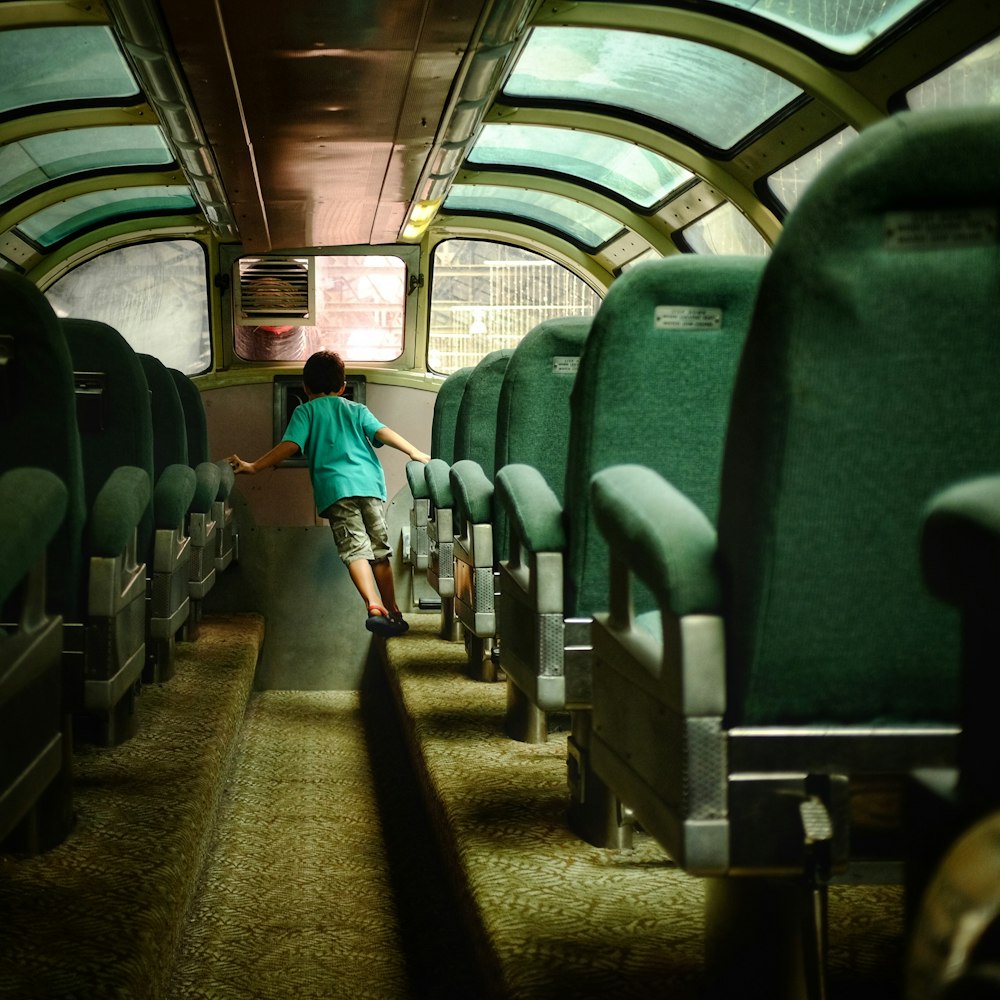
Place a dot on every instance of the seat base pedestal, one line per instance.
(482, 666)
(596, 814)
(524, 720)
(451, 627)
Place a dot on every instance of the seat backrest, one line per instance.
(476, 422)
(38, 424)
(533, 412)
(170, 440)
(870, 381)
(115, 418)
(195, 420)
(653, 389)
(446, 404)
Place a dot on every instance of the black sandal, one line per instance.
(379, 621)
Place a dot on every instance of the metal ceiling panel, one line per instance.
(332, 107)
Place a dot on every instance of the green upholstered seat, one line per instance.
(189, 569)
(38, 423)
(96, 580)
(120, 427)
(649, 390)
(476, 421)
(475, 437)
(868, 383)
(36, 802)
(532, 427)
(446, 403)
(653, 387)
(196, 421)
(445, 419)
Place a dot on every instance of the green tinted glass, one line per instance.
(712, 94)
(41, 65)
(972, 80)
(845, 26)
(126, 289)
(585, 226)
(623, 169)
(486, 296)
(61, 221)
(788, 183)
(35, 161)
(725, 230)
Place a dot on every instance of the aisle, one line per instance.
(295, 899)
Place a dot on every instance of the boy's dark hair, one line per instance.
(323, 372)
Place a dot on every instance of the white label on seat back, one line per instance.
(687, 318)
(935, 229)
(565, 365)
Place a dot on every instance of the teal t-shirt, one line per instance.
(337, 437)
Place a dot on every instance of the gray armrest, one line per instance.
(960, 546)
(659, 700)
(32, 507)
(472, 493)
(417, 480)
(172, 496)
(437, 473)
(227, 479)
(535, 512)
(117, 511)
(662, 537)
(208, 476)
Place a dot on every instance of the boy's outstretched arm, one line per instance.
(388, 436)
(281, 451)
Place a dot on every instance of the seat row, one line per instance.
(120, 525)
(719, 578)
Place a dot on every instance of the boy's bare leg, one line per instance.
(382, 571)
(364, 580)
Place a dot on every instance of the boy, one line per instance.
(339, 439)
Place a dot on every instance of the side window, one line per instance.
(359, 307)
(154, 294)
(486, 296)
(725, 230)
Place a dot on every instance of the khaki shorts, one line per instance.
(358, 526)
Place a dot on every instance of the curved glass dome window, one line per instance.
(154, 294)
(43, 65)
(585, 226)
(39, 159)
(714, 95)
(622, 169)
(65, 219)
(847, 26)
(485, 296)
(725, 230)
(788, 183)
(975, 79)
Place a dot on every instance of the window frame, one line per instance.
(229, 255)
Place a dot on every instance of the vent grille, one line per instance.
(276, 291)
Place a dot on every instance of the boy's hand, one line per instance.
(419, 456)
(238, 465)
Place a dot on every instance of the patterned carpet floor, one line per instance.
(389, 843)
(295, 900)
(100, 915)
(553, 915)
